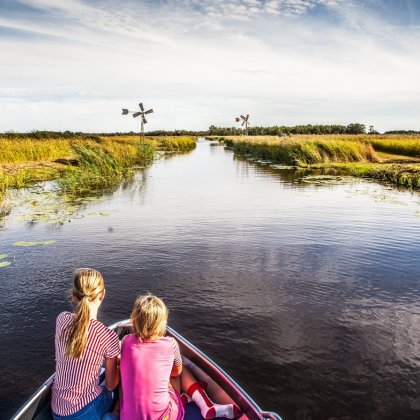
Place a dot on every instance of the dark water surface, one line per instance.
(307, 294)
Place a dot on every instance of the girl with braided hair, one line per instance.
(82, 345)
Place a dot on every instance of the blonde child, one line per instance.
(152, 374)
(82, 345)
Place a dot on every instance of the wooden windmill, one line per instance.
(140, 113)
(244, 123)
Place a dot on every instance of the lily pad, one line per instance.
(285, 167)
(105, 214)
(34, 243)
(327, 179)
(4, 264)
(2, 256)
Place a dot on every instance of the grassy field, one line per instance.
(393, 159)
(80, 163)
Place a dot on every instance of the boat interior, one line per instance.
(221, 388)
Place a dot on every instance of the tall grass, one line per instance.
(355, 155)
(101, 165)
(178, 144)
(303, 151)
(399, 146)
(32, 149)
(403, 175)
(27, 150)
(101, 162)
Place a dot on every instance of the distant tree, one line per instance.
(356, 128)
(402, 132)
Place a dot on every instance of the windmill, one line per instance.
(245, 122)
(140, 113)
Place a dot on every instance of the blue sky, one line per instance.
(73, 64)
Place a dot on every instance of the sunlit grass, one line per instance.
(27, 150)
(93, 163)
(304, 150)
(406, 146)
(403, 175)
(356, 155)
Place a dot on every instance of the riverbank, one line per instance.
(79, 163)
(390, 159)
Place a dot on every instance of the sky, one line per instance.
(74, 64)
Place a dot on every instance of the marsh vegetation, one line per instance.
(393, 159)
(81, 164)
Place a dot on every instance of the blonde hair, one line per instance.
(149, 317)
(87, 285)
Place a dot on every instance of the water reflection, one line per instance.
(307, 294)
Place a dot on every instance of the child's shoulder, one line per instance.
(128, 339)
(100, 328)
(163, 341)
(64, 316)
(169, 340)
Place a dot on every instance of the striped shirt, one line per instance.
(76, 381)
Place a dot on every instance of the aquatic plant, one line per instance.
(407, 176)
(4, 264)
(355, 155)
(33, 243)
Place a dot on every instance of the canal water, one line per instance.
(305, 290)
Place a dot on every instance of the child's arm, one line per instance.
(112, 376)
(177, 366)
(176, 370)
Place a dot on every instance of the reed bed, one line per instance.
(28, 150)
(304, 150)
(356, 155)
(165, 143)
(407, 146)
(402, 175)
(175, 144)
(102, 165)
(85, 163)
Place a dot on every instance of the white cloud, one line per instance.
(201, 62)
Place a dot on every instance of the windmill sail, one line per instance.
(136, 114)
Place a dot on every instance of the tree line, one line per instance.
(282, 130)
(354, 128)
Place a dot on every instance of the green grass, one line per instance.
(27, 150)
(355, 155)
(175, 144)
(103, 165)
(100, 162)
(304, 151)
(407, 146)
(402, 175)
